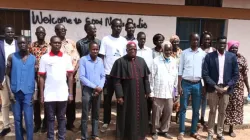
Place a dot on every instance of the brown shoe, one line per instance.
(180, 137)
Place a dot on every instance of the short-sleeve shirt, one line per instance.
(55, 67)
(83, 46)
(69, 47)
(38, 50)
(112, 48)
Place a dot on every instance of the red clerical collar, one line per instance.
(60, 54)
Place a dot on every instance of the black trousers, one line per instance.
(71, 110)
(37, 112)
(108, 99)
(57, 109)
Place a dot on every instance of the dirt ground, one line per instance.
(242, 134)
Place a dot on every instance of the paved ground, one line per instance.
(243, 132)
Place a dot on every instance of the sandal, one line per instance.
(195, 136)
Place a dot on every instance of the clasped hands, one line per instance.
(97, 91)
(221, 90)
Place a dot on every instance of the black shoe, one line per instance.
(43, 129)
(220, 138)
(4, 132)
(73, 129)
(36, 129)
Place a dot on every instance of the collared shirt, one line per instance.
(177, 55)
(91, 73)
(83, 46)
(9, 49)
(38, 50)
(112, 48)
(221, 58)
(190, 67)
(164, 77)
(130, 39)
(55, 67)
(146, 54)
(69, 47)
(156, 53)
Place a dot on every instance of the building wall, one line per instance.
(170, 2)
(238, 30)
(236, 4)
(129, 8)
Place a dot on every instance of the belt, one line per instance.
(191, 82)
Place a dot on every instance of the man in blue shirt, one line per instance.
(92, 76)
(189, 83)
(21, 86)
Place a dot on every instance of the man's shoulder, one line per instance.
(70, 41)
(45, 56)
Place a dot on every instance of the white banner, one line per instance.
(75, 21)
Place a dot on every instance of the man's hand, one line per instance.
(12, 97)
(1, 86)
(32, 101)
(219, 90)
(98, 89)
(70, 98)
(180, 90)
(204, 92)
(42, 100)
(120, 101)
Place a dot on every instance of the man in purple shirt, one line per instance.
(92, 77)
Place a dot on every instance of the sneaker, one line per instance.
(168, 136)
(104, 127)
(155, 136)
(180, 137)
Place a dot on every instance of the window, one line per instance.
(186, 26)
(212, 3)
(19, 19)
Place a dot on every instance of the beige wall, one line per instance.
(236, 4)
(239, 30)
(170, 2)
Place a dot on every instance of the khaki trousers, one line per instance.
(214, 102)
(5, 105)
(161, 110)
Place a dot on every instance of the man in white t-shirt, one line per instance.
(147, 54)
(54, 70)
(112, 47)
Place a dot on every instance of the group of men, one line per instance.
(146, 82)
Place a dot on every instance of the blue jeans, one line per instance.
(195, 91)
(203, 104)
(23, 104)
(58, 109)
(94, 101)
